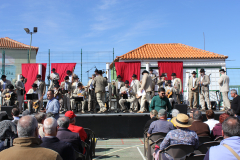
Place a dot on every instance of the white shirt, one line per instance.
(38, 83)
(173, 81)
(70, 78)
(193, 81)
(106, 88)
(119, 83)
(66, 86)
(132, 83)
(211, 123)
(91, 85)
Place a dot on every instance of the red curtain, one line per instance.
(127, 69)
(61, 69)
(30, 71)
(171, 67)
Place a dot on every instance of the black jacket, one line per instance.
(63, 148)
(66, 135)
(235, 105)
(147, 125)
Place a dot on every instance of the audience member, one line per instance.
(153, 116)
(15, 114)
(74, 128)
(235, 105)
(229, 148)
(53, 105)
(181, 135)
(50, 114)
(8, 131)
(217, 130)
(161, 125)
(50, 128)
(191, 114)
(26, 112)
(211, 122)
(64, 134)
(175, 112)
(230, 112)
(40, 118)
(160, 101)
(27, 146)
(198, 126)
(4, 116)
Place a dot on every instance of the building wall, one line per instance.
(13, 61)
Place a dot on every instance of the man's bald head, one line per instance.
(27, 127)
(50, 126)
(231, 127)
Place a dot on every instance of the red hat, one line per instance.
(70, 114)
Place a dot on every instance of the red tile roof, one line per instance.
(7, 43)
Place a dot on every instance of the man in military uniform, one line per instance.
(169, 92)
(162, 82)
(91, 95)
(130, 94)
(59, 95)
(67, 90)
(79, 92)
(75, 83)
(9, 96)
(135, 84)
(42, 88)
(204, 82)
(224, 88)
(108, 94)
(118, 84)
(193, 90)
(53, 76)
(34, 90)
(19, 85)
(177, 87)
(100, 83)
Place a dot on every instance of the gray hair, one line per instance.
(40, 117)
(94, 75)
(197, 115)
(27, 126)
(63, 122)
(234, 91)
(50, 125)
(231, 127)
(230, 112)
(175, 112)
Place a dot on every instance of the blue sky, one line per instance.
(100, 25)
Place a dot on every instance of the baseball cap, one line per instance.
(162, 112)
(70, 114)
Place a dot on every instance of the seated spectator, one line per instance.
(181, 135)
(217, 130)
(175, 112)
(74, 128)
(230, 112)
(26, 112)
(64, 134)
(40, 117)
(27, 146)
(50, 114)
(153, 116)
(229, 147)
(191, 114)
(198, 126)
(211, 122)
(8, 131)
(235, 104)
(50, 140)
(161, 125)
(15, 114)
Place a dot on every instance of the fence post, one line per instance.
(3, 63)
(81, 64)
(113, 64)
(49, 65)
(28, 56)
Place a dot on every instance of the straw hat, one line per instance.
(181, 120)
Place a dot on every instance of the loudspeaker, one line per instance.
(8, 109)
(181, 107)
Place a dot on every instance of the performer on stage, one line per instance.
(9, 96)
(42, 88)
(154, 81)
(147, 88)
(193, 90)
(108, 94)
(19, 85)
(118, 84)
(162, 82)
(70, 75)
(135, 84)
(4, 82)
(131, 96)
(96, 72)
(224, 88)
(79, 92)
(169, 92)
(53, 76)
(34, 90)
(204, 82)
(75, 83)
(58, 94)
(67, 90)
(91, 95)
(177, 87)
(100, 83)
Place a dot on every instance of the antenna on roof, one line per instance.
(204, 40)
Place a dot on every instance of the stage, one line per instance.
(118, 125)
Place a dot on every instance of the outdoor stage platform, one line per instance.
(118, 125)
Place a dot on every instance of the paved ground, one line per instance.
(126, 149)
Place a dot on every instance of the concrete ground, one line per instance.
(126, 149)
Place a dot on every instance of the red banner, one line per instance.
(127, 69)
(61, 69)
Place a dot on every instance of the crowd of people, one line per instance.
(184, 129)
(40, 136)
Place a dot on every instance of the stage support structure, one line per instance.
(147, 67)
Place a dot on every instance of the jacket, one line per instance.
(28, 148)
(202, 129)
(31, 91)
(7, 82)
(76, 91)
(190, 84)
(100, 83)
(69, 86)
(146, 83)
(178, 85)
(135, 84)
(206, 83)
(116, 87)
(161, 84)
(54, 76)
(41, 86)
(147, 125)
(66, 135)
(79, 130)
(18, 86)
(224, 83)
(64, 149)
(131, 93)
(217, 130)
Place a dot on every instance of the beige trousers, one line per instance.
(100, 99)
(91, 101)
(193, 99)
(131, 100)
(20, 99)
(145, 98)
(204, 97)
(226, 101)
(66, 101)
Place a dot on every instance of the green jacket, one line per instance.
(157, 103)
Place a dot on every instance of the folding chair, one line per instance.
(219, 139)
(203, 139)
(193, 156)
(87, 148)
(144, 139)
(79, 156)
(203, 148)
(92, 139)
